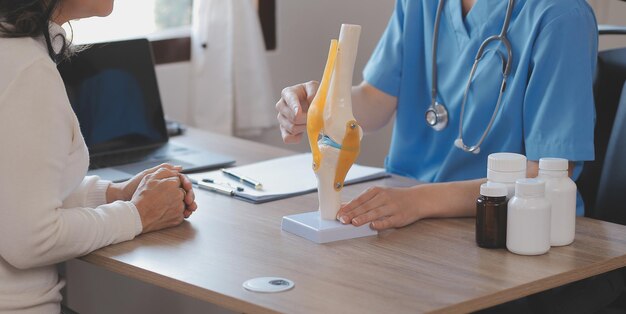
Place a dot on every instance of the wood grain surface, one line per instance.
(430, 266)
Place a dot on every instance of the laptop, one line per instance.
(113, 90)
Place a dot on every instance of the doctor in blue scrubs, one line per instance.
(546, 106)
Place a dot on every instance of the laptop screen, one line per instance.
(113, 90)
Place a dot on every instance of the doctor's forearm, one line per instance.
(458, 198)
(371, 107)
(448, 199)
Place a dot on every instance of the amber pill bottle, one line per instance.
(491, 212)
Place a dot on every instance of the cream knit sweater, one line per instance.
(49, 211)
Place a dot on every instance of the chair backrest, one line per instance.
(609, 80)
(609, 205)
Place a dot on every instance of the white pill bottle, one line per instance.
(528, 219)
(506, 168)
(561, 193)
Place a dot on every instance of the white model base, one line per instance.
(311, 227)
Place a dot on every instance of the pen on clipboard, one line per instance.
(214, 187)
(243, 179)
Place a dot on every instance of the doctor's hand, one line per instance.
(386, 207)
(292, 108)
(123, 191)
(382, 207)
(161, 199)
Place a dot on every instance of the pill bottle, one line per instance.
(528, 219)
(506, 168)
(491, 215)
(561, 193)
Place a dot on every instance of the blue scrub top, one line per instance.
(548, 106)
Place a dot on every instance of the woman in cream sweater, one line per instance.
(49, 211)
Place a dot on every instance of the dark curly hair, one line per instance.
(30, 18)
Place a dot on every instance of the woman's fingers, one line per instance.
(159, 200)
(190, 196)
(186, 184)
(192, 207)
(163, 165)
(173, 181)
(163, 173)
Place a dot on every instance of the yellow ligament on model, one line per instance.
(315, 119)
(350, 148)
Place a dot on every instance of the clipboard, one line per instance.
(283, 177)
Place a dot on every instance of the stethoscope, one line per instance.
(437, 114)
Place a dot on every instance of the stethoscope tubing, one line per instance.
(479, 55)
(433, 90)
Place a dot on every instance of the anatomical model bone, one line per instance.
(334, 134)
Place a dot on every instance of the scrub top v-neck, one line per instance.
(547, 109)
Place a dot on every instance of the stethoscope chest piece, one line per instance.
(437, 116)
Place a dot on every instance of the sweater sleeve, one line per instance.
(90, 193)
(36, 133)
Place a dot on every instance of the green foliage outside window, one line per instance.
(172, 13)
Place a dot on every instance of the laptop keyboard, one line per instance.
(163, 153)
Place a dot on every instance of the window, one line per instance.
(135, 18)
(166, 23)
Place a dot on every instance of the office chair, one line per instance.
(608, 205)
(602, 181)
(609, 80)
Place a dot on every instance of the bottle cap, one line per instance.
(508, 162)
(553, 164)
(530, 187)
(493, 189)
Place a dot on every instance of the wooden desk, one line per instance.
(430, 266)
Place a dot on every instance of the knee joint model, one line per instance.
(334, 135)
